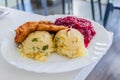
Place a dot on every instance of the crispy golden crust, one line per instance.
(24, 30)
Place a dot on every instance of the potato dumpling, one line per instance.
(38, 45)
(69, 43)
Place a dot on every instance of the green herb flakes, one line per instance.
(45, 47)
(35, 40)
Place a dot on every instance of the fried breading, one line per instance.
(49, 27)
(24, 30)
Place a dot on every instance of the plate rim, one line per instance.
(5, 12)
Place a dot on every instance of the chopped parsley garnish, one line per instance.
(38, 48)
(33, 48)
(35, 40)
(45, 47)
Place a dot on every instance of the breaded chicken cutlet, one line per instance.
(24, 30)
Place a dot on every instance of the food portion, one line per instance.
(67, 36)
(69, 43)
(24, 30)
(38, 45)
(35, 39)
(82, 25)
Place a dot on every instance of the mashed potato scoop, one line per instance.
(69, 43)
(38, 45)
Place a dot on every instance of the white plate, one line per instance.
(54, 63)
(3, 12)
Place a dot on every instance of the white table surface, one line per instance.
(9, 72)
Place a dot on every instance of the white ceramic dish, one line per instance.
(54, 63)
(3, 12)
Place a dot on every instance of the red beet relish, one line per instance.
(82, 25)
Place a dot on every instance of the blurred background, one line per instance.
(77, 7)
